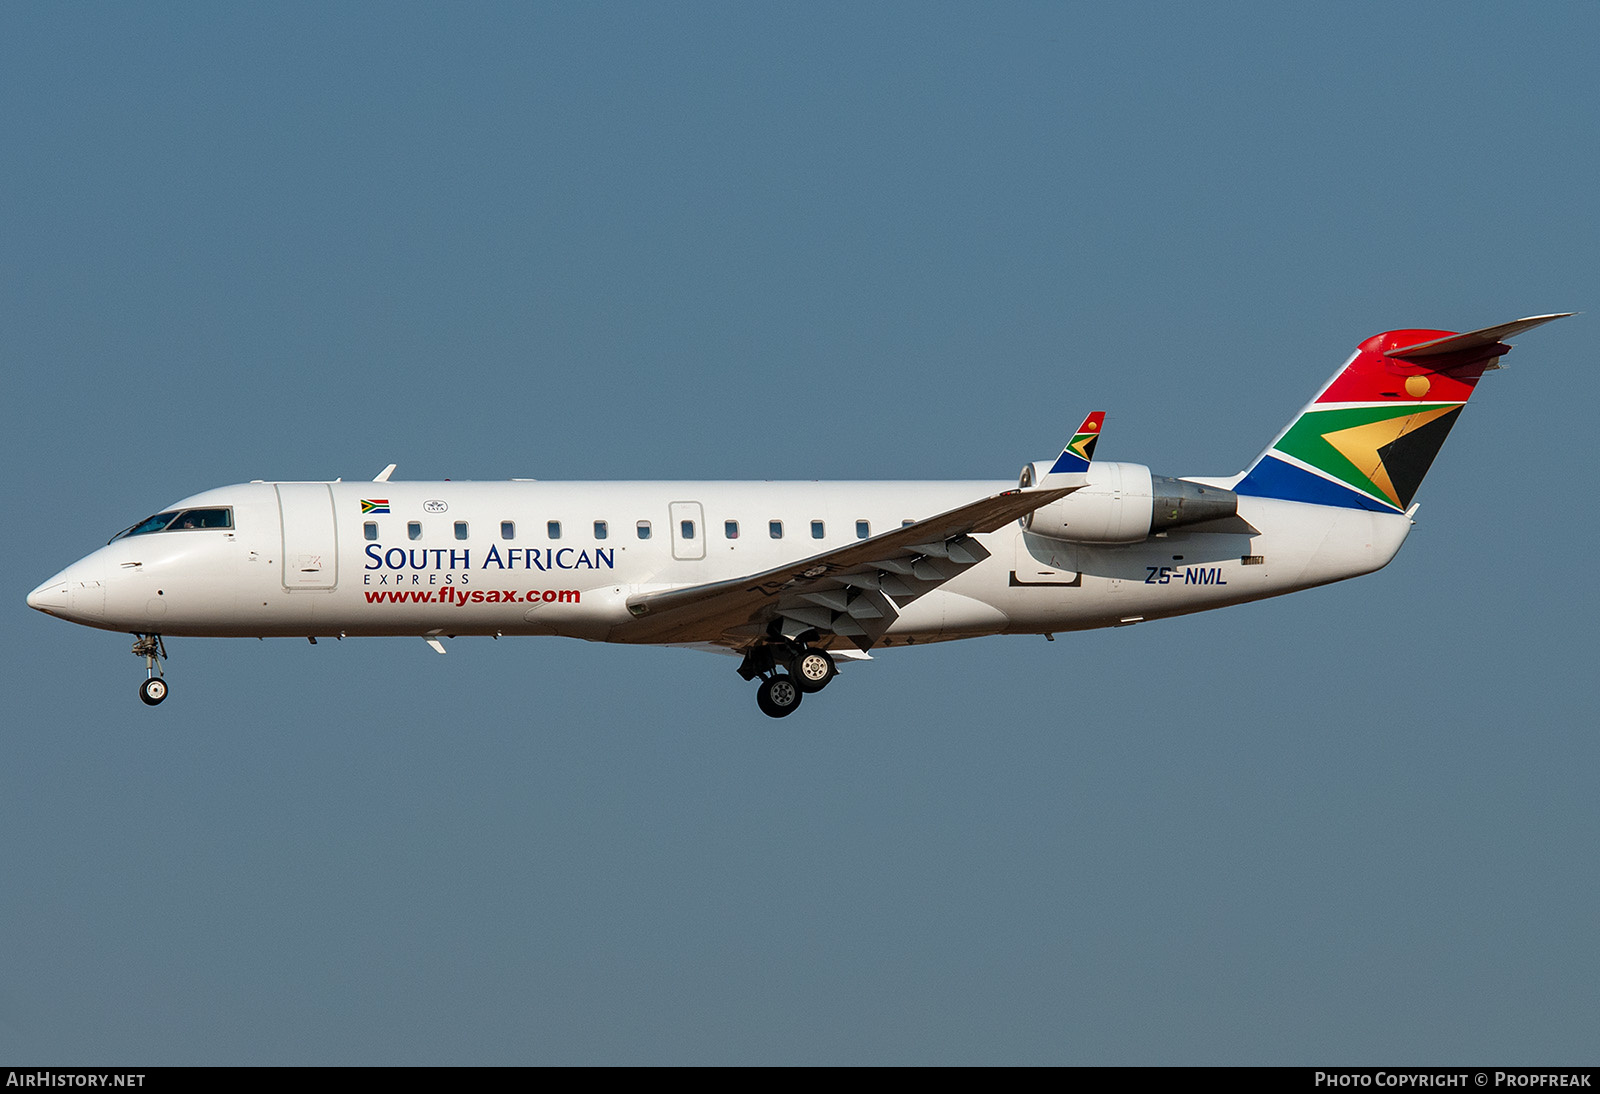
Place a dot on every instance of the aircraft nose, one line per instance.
(50, 597)
(77, 593)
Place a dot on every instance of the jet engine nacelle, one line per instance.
(1124, 503)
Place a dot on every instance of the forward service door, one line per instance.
(310, 543)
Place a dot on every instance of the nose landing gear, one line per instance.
(154, 651)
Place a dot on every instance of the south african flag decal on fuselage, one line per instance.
(374, 505)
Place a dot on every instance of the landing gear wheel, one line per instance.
(813, 670)
(778, 696)
(154, 651)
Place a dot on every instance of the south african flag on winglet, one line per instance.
(1075, 458)
(1083, 443)
(374, 505)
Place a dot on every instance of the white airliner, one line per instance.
(795, 576)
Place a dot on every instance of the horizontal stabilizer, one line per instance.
(1477, 339)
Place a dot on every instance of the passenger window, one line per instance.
(816, 529)
(686, 529)
(730, 529)
(508, 529)
(907, 523)
(461, 529)
(414, 529)
(863, 530)
(599, 529)
(644, 529)
(554, 528)
(370, 529)
(775, 529)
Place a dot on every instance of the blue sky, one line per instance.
(799, 241)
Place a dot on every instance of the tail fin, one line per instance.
(1369, 436)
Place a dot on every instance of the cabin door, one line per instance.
(310, 545)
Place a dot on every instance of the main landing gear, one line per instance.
(778, 695)
(151, 648)
(814, 669)
(789, 671)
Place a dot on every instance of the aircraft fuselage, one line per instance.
(562, 558)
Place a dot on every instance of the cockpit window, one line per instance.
(156, 523)
(203, 518)
(178, 520)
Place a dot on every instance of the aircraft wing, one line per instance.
(854, 592)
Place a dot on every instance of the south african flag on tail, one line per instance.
(1371, 433)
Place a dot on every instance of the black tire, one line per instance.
(813, 670)
(779, 696)
(153, 691)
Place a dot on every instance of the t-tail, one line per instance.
(1369, 436)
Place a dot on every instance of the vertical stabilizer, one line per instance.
(1369, 436)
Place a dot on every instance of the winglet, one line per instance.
(383, 476)
(1073, 463)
